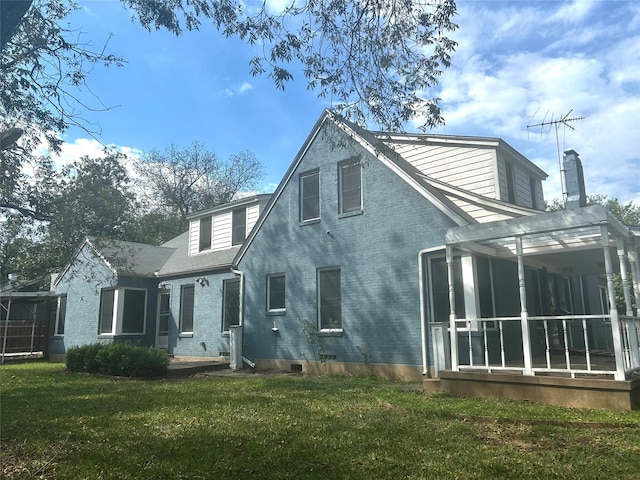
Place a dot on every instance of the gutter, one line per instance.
(423, 314)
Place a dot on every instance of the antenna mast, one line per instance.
(563, 120)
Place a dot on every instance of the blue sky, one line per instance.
(518, 62)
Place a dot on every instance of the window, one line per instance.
(511, 191)
(275, 293)
(205, 234)
(61, 313)
(164, 314)
(329, 299)
(107, 299)
(122, 311)
(186, 308)
(239, 226)
(350, 184)
(133, 312)
(230, 304)
(310, 196)
(534, 194)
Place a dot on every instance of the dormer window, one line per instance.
(239, 226)
(511, 188)
(205, 233)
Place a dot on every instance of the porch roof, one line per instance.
(574, 233)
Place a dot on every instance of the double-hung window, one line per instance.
(186, 308)
(309, 196)
(239, 226)
(276, 293)
(205, 233)
(329, 299)
(350, 185)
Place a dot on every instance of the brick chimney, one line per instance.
(574, 180)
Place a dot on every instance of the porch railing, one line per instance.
(567, 345)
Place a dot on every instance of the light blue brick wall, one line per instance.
(377, 252)
(207, 339)
(82, 283)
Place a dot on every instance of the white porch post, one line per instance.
(453, 331)
(635, 274)
(613, 310)
(524, 316)
(629, 326)
(624, 276)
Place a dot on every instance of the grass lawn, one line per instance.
(60, 425)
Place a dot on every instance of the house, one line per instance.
(431, 255)
(181, 296)
(411, 256)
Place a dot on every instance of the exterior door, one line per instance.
(164, 313)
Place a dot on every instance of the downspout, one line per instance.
(423, 314)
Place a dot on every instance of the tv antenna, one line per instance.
(563, 120)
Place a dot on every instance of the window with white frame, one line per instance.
(239, 226)
(230, 304)
(205, 233)
(61, 313)
(276, 293)
(123, 311)
(107, 310)
(329, 299)
(186, 308)
(309, 196)
(350, 185)
(164, 314)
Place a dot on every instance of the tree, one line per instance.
(90, 197)
(373, 60)
(42, 65)
(180, 182)
(628, 213)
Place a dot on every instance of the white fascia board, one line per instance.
(492, 203)
(544, 222)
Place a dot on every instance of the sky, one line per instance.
(518, 63)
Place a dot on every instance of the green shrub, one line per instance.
(120, 359)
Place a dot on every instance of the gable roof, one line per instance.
(124, 258)
(383, 146)
(130, 258)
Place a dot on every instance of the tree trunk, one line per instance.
(11, 14)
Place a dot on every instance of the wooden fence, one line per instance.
(23, 337)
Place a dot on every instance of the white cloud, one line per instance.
(549, 59)
(239, 90)
(80, 147)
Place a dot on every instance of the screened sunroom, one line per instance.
(554, 294)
